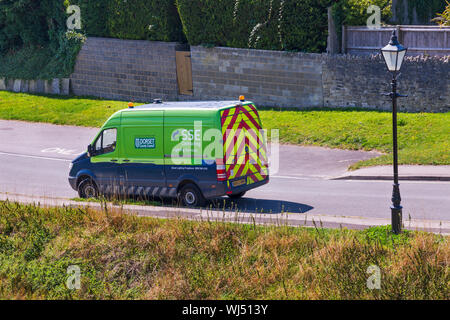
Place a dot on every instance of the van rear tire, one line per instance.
(237, 195)
(191, 196)
(87, 189)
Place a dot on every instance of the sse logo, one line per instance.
(144, 143)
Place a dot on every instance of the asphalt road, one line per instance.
(34, 160)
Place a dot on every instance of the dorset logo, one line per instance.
(144, 143)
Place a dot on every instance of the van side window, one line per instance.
(106, 141)
(98, 143)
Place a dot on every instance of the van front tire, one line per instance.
(87, 189)
(191, 196)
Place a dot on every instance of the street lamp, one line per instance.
(393, 55)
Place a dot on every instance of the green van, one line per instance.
(190, 150)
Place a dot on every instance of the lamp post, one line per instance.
(393, 55)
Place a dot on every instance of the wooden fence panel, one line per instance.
(184, 72)
(431, 40)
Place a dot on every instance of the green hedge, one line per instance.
(156, 20)
(27, 22)
(94, 16)
(298, 25)
(144, 19)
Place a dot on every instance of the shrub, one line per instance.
(443, 18)
(205, 21)
(94, 16)
(355, 11)
(25, 22)
(34, 42)
(297, 25)
(141, 19)
(132, 19)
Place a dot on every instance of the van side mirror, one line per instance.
(90, 151)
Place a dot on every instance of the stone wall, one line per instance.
(350, 81)
(143, 70)
(269, 78)
(283, 79)
(126, 70)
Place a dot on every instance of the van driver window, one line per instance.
(106, 142)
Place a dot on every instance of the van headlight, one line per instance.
(70, 166)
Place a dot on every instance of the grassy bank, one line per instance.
(423, 137)
(125, 257)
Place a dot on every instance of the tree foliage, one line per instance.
(34, 41)
(443, 18)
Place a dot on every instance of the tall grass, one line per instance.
(122, 256)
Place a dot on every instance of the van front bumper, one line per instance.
(73, 183)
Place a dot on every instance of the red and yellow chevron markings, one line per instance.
(244, 144)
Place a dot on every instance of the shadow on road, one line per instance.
(245, 204)
(261, 205)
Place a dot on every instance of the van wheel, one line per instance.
(237, 195)
(87, 189)
(191, 196)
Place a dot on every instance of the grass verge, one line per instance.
(121, 256)
(120, 202)
(423, 137)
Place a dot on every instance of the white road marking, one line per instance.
(347, 160)
(401, 181)
(61, 151)
(327, 178)
(298, 178)
(33, 157)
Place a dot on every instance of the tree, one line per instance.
(443, 19)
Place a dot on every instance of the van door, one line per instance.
(105, 160)
(142, 156)
(244, 145)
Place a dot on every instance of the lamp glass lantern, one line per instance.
(393, 54)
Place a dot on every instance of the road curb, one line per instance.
(317, 221)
